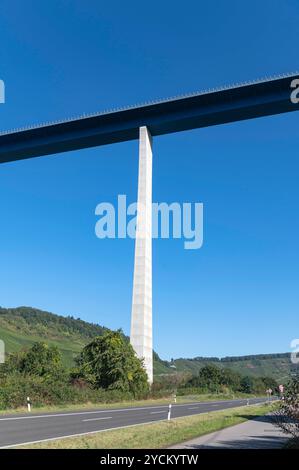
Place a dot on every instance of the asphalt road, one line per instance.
(37, 427)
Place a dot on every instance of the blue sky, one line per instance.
(238, 294)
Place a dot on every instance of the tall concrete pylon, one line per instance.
(141, 319)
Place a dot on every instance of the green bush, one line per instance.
(39, 374)
(213, 379)
(110, 362)
(287, 416)
(15, 388)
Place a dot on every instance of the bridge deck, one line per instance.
(210, 108)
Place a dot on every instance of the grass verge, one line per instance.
(158, 435)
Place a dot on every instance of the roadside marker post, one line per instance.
(29, 404)
(169, 412)
(247, 401)
(269, 391)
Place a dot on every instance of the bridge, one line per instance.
(208, 108)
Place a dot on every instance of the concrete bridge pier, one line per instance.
(141, 318)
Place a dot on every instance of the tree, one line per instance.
(247, 384)
(269, 382)
(110, 362)
(230, 379)
(210, 377)
(42, 360)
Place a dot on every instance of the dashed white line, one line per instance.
(84, 433)
(97, 419)
(115, 410)
(156, 412)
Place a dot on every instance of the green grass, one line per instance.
(158, 435)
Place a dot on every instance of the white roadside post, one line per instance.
(169, 412)
(269, 391)
(2, 352)
(28, 404)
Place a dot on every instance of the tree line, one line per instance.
(106, 370)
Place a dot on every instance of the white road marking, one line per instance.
(193, 408)
(89, 432)
(156, 412)
(76, 435)
(113, 410)
(97, 419)
(83, 413)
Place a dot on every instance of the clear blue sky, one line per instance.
(239, 293)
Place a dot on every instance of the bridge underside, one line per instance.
(201, 110)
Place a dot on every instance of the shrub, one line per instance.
(287, 416)
(110, 362)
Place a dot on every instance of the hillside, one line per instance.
(278, 366)
(21, 327)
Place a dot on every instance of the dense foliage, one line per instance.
(21, 327)
(40, 360)
(110, 362)
(216, 380)
(277, 366)
(237, 358)
(108, 370)
(287, 416)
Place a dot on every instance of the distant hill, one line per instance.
(21, 327)
(278, 366)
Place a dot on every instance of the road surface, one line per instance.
(38, 427)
